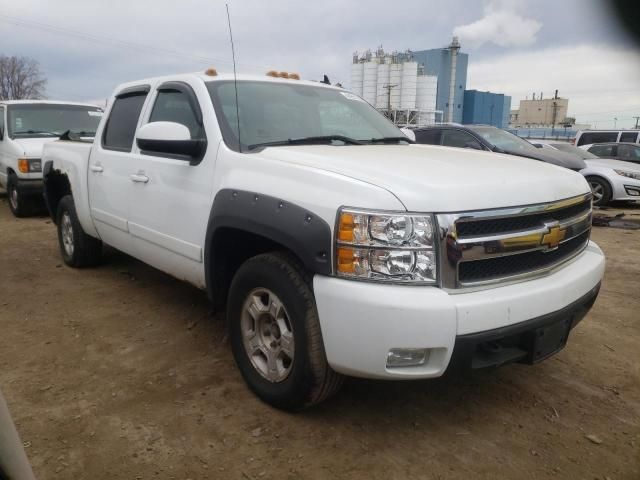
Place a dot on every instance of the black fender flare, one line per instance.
(305, 234)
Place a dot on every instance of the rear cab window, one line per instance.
(120, 128)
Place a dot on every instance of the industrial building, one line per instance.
(396, 85)
(450, 66)
(541, 112)
(487, 108)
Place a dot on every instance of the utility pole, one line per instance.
(615, 121)
(388, 88)
(637, 118)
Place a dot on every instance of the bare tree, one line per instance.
(20, 77)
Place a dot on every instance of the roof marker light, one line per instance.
(294, 76)
(272, 73)
(211, 72)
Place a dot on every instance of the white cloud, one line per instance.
(502, 25)
(601, 82)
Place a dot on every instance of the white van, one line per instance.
(587, 137)
(25, 126)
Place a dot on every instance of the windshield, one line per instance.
(290, 113)
(39, 120)
(583, 154)
(504, 140)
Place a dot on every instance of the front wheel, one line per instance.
(275, 333)
(77, 248)
(601, 191)
(18, 204)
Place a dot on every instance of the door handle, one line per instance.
(96, 168)
(139, 178)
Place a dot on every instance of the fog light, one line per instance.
(407, 357)
(632, 191)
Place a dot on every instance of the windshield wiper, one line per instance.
(319, 140)
(84, 133)
(35, 132)
(391, 140)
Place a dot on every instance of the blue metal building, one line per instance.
(437, 62)
(487, 108)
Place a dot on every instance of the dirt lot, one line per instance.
(121, 372)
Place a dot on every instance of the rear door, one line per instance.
(170, 210)
(111, 163)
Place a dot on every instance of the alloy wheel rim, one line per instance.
(597, 190)
(13, 197)
(267, 335)
(67, 234)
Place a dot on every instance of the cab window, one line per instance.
(123, 119)
(428, 137)
(629, 153)
(174, 106)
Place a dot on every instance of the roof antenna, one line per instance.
(235, 78)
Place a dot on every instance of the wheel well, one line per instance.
(56, 186)
(230, 248)
(600, 177)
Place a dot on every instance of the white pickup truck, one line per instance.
(337, 246)
(25, 126)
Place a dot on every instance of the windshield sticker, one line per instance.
(351, 96)
(18, 123)
(94, 114)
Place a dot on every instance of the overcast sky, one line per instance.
(86, 47)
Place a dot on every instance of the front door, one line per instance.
(170, 202)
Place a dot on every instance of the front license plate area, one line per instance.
(550, 339)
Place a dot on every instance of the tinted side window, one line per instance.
(123, 119)
(597, 137)
(1, 123)
(628, 137)
(174, 106)
(457, 138)
(429, 137)
(602, 150)
(629, 153)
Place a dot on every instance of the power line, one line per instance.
(110, 41)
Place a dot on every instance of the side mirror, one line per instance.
(474, 145)
(171, 139)
(408, 133)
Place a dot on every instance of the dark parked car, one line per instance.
(627, 152)
(485, 137)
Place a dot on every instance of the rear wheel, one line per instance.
(601, 191)
(76, 247)
(275, 333)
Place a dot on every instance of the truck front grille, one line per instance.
(494, 246)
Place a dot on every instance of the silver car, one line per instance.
(609, 179)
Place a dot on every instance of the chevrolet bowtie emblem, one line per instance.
(553, 237)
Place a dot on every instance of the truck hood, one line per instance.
(32, 147)
(428, 178)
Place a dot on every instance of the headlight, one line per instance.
(392, 247)
(624, 173)
(29, 165)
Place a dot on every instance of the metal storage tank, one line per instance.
(408, 86)
(357, 70)
(382, 99)
(426, 94)
(370, 82)
(395, 78)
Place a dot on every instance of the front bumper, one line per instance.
(30, 187)
(362, 321)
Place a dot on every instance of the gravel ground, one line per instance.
(122, 372)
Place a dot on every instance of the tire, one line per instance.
(301, 376)
(19, 205)
(76, 247)
(601, 191)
